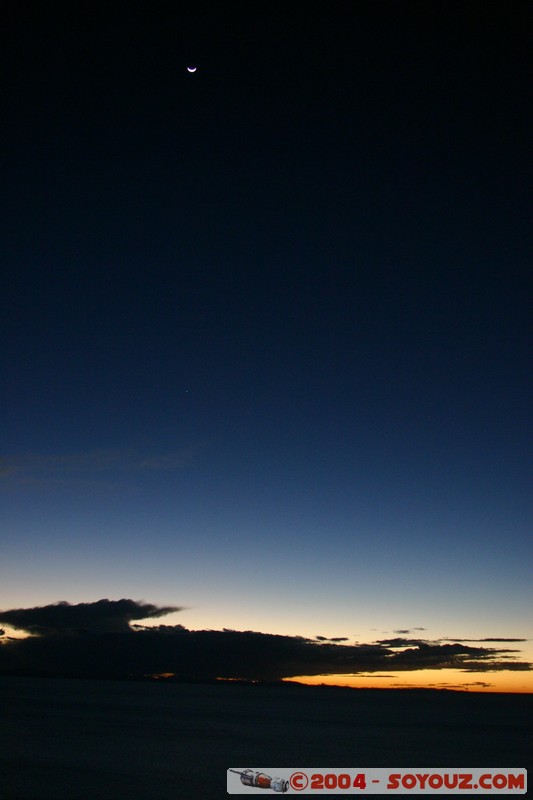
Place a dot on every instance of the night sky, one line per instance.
(265, 325)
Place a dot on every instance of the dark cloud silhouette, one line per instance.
(486, 639)
(175, 629)
(497, 666)
(96, 639)
(402, 642)
(398, 642)
(478, 684)
(331, 638)
(408, 630)
(104, 615)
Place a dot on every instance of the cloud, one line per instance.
(331, 638)
(104, 615)
(96, 639)
(400, 642)
(477, 684)
(7, 469)
(169, 461)
(408, 630)
(397, 642)
(496, 666)
(93, 466)
(486, 639)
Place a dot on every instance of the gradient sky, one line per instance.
(265, 326)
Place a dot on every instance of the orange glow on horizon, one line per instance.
(520, 682)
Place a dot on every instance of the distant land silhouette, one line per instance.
(164, 739)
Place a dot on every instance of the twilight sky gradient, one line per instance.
(265, 326)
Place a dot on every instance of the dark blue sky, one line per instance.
(265, 326)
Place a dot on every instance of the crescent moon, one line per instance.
(191, 69)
